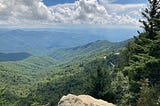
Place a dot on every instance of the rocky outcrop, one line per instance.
(82, 100)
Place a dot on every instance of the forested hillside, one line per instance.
(93, 49)
(133, 79)
(41, 41)
(92, 77)
(30, 75)
(125, 73)
(13, 56)
(140, 62)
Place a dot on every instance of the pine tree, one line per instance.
(142, 55)
(151, 24)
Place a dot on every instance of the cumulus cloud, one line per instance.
(97, 12)
(16, 12)
(133, 10)
(80, 12)
(106, 1)
(34, 12)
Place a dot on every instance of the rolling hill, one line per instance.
(93, 49)
(13, 56)
(20, 76)
(40, 41)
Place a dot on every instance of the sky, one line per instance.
(54, 2)
(50, 13)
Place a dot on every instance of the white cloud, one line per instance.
(93, 12)
(80, 12)
(35, 13)
(106, 1)
(18, 12)
(120, 9)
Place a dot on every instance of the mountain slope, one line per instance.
(20, 77)
(92, 49)
(42, 40)
(13, 56)
(72, 76)
(37, 40)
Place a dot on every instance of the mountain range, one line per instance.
(31, 57)
(42, 40)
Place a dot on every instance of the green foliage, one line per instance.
(17, 78)
(147, 95)
(89, 77)
(98, 80)
(93, 49)
(155, 49)
(140, 61)
(152, 15)
(120, 88)
(126, 77)
(39, 80)
(7, 98)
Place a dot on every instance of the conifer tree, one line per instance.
(151, 24)
(142, 55)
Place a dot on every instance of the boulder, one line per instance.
(82, 100)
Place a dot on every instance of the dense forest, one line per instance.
(126, 73)
(27, 79)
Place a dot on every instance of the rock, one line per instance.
(82, 100)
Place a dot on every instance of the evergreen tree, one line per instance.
(142, 59)
(151, 24)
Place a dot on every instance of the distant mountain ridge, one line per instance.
(25, 40)
(89, 50)
(13, 56)
(24, 75)
(76, 64)
(42, 40)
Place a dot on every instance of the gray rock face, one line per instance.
(82, 100)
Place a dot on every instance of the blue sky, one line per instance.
(130, 1)
(54, 2)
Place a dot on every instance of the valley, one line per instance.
(25, 66)
(39, 67)
(96, 52)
